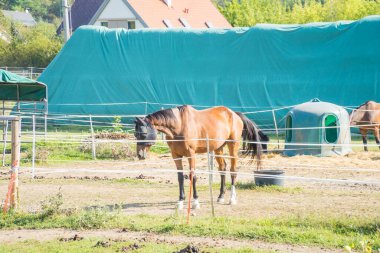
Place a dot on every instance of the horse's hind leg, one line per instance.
(363, 132)
(196, 204)
(233, 147)
(222, 168)
(178, 164)
(191, 156)
(377, 136)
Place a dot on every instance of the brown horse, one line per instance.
(367, 117)
(186, 130)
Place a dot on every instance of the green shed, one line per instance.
(317, 128)
(18, 88)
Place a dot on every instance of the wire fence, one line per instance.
(89, 139)
(29, 72)
(35, 133)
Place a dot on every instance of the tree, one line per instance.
(36, 46)
(44, 10)
(251, 12)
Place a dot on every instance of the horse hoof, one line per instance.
(180, 205)
(233, 202)
(195, 204)
(220, 200)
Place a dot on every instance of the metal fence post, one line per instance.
(93, 147)
(210, 164)
(146, 108)
(275, 125)
(3, 120)
(33, 144)
(5, 140)
(31, 72)
(45, 125)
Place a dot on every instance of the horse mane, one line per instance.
(182, 108)
(165, 116)
(363, 104)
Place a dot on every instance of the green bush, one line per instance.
(29, 46)
(251, 12)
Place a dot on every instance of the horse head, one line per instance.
(146, 136)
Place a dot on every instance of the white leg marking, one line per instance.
(180, 205)
(233, 200)
(196, 204)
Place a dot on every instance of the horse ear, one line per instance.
(141, 120)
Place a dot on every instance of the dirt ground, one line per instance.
(87, 184)
(151, 187)
(201, 242)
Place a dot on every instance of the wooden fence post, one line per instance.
(15, 161)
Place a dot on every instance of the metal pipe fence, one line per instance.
(29, 72)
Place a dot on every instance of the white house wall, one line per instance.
(117, 10)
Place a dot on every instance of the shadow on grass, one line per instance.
(116, 207)
(267, 188)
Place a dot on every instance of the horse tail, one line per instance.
(252, 137)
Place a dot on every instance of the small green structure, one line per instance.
(317, 128)
(18, 88)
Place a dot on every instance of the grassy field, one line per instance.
(309, 231)
(330, 230)
(107, 246)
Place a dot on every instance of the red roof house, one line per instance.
(137, 14)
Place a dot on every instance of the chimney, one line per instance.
(66, 24)
(168, 3)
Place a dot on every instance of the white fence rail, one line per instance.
(29, 72)
(33, 136)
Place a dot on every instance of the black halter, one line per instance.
(145, 131)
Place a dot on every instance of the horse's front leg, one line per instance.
(364, 137)
(193, 178)
(178, 163)
(233, 148)
(222, 169)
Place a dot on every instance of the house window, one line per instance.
(104, 23)
(289, 125)
(167, 23)
(131, 25)
(209, 24)
(184, 22)
(330, 130)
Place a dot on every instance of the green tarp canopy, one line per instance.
(17, 88)
(114, 72)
